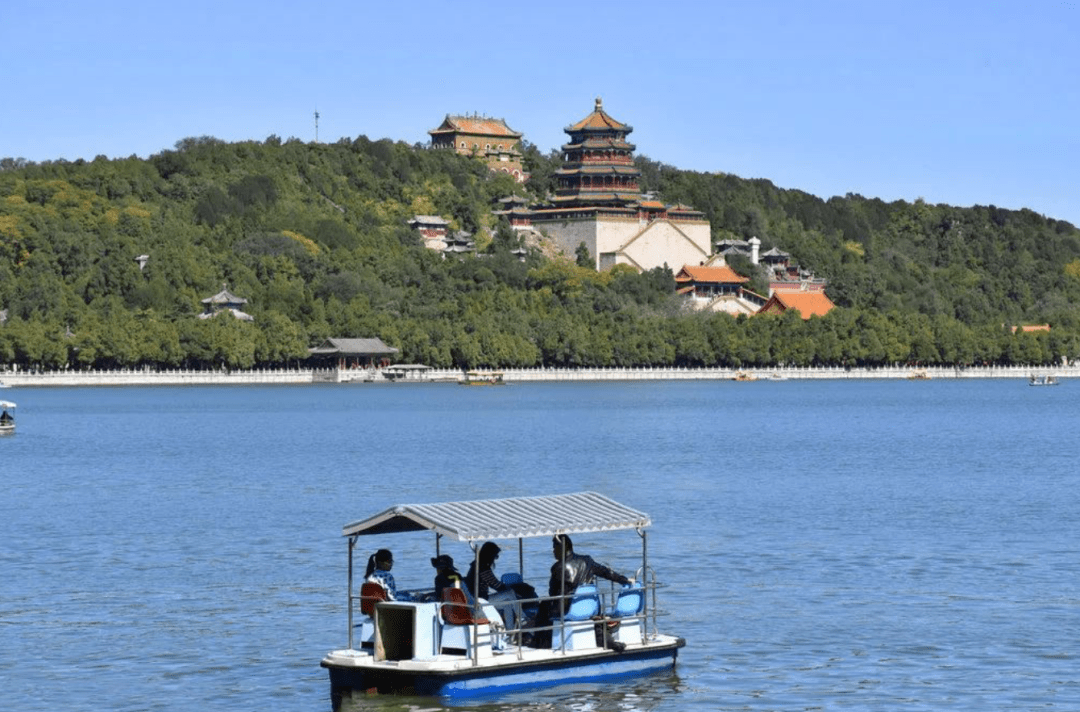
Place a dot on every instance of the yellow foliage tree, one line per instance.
(306, 242)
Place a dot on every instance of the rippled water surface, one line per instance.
(829, 545)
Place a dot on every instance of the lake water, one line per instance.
(878, 545)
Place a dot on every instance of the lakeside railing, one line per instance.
(70, 377)
(674, 373)
(169, 376)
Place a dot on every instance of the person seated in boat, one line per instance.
(488, 581)
(489, 587)
(378, 571)
(5, 418)
(446, 574)
(569, 571)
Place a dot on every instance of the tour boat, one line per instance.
(7, 417)
(483, 378)
(1042, 380)
(457, 647)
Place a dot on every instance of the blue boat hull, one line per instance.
(520, 675)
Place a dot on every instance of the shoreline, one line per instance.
(15, 379)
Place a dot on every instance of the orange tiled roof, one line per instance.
(697, 273)
(808, 304)
(599, 119)
(1032, 327)
(481, 125)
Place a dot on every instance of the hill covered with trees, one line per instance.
(315, 237)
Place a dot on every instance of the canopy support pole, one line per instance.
(352, 544)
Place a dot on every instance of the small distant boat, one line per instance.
(919, 375)
(744, 376)
(777, 377)
(1043, 380)
(406, 372)
(483, 378)
(7, 417)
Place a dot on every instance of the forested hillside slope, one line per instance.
(314, 236)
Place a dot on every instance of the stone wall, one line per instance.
(632, 241)
(664, 242)
(568, 234)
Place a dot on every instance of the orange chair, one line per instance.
(456, 609)
(370, 594)
(456, 633)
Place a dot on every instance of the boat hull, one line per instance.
(470, 681)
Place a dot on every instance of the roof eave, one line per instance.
(513, 518)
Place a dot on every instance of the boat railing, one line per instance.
(510, 637)
(606, 602)
(647, 576)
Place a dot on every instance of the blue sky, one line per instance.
(955, 102)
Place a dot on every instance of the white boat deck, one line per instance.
(495, 659)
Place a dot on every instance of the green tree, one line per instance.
(582, 256)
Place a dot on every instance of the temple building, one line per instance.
(808, 304)
(717, 287)
(433, 230)
(225, 302)
(516, 211)
(489, 139)
(459, 243)
(714, 286)
(785, 276)
(598, 203)
(352, 353)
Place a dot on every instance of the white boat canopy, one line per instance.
(6, 404)
(512, 518)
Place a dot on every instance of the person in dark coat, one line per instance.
(571, 570)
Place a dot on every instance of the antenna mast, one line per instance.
(316, 126)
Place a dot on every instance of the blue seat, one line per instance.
(631, 602)
(512, 577)
(576, 629)
(584, 605)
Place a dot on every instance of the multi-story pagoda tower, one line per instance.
(598, 164)
(598, 204)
